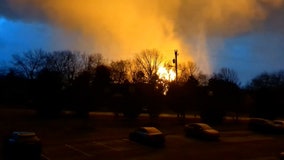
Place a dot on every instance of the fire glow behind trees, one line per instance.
(203, 31)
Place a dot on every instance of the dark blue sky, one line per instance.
(244, 35)
(18, 36)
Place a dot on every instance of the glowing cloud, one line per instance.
(121, 28)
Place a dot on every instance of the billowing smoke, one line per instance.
(120, 28)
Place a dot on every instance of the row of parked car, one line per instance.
(27, 144)
(266, 126)
(153, 136)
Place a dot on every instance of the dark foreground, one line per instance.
(104, 137)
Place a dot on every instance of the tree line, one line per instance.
(51, 82)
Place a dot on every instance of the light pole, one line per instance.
(176, 63)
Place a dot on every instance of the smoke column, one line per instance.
(119, 29)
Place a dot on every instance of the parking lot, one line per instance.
(245, 145)
(105, 137)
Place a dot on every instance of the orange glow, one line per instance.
(165, 74)
(120, 29)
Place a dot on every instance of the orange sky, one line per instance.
(120, 29)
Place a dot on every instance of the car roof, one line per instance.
(260, 120)
(282, 121)
(23, 134)
(203, 125)
(152, 129)
(199, 124)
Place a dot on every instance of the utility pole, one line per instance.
(176, 64)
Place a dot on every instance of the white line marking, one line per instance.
(45, 157)
(107, 146)
(78, 150)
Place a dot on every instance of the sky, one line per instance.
(244, 35)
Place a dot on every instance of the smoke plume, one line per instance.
(121, 28)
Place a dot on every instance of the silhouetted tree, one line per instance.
(223, 96)
(13, 88)
(139, 77)
(187, 70)
(267, 90)
(120, 71)
(176, 98)
(68, 63)
(81, 94)
(92, 61)
(203, 79)
(148, 62)
(152, 97)
(30, 63)
(185, 97)
(102, 84)
(227, 75)
(48, 93)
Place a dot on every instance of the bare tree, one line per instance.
(148, 62)
(267, 92)
(66, 62)
(228, 75)
(92, 61)
(187, 70)
(30, 62)
(203, 79)
(268, 80)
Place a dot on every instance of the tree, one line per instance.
(228, 75)
(66, 62)
(223, 95)
(187, 70)
(92, 61)
(120, 71)
(13, 88)
(148, 61)
(184, 97)
(102, 75)
(138, 77)
(268, 80)
(81, 94)
(202, 79)
(267, 91)
(48, 93)
(102, 84)
(30, 63)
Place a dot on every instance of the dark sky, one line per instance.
(244, 35)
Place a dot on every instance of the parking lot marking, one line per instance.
(239, 139)
(106, 146)
(78, 150)
(44, 157)
(125, 139)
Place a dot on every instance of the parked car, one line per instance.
(281, 156)
(148, 135)
(279, 124)
(262, 125)
(202, 131)
(22, 145)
